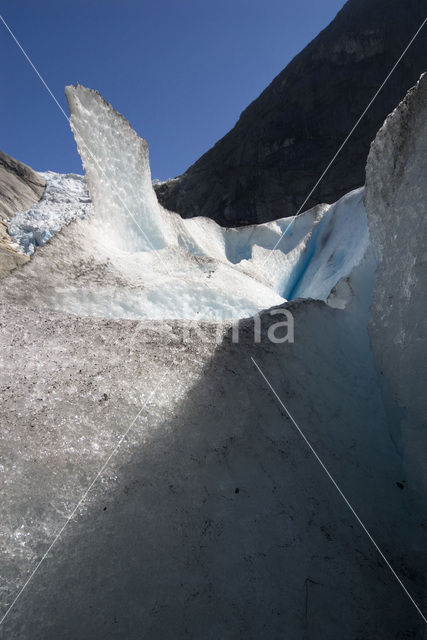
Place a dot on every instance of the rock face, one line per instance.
(20, 188)
(396, 201)
(264, 168)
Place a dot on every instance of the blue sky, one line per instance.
(181, 71)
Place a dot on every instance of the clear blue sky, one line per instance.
(181, 71)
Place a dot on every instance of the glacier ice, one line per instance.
(65, 198)
(213, 520)
(158, 265)
(164, 544)
(396, 199)
(315, 252)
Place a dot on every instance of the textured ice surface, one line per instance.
(65, 198)
(213, 520)
(161, 266)
(339, 244)
(213, 514)
(397, 205)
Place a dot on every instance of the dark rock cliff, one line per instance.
(264, 168)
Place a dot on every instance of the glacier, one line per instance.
(65, 198)
(161, 266)
(213, 520)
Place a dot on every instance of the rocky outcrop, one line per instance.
(20, 189)
(20, 186)
(265, 167)
(396, 202)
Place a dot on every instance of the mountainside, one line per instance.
(20, 188)
(264, 168)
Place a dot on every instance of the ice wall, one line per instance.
(125, 206)
(213, 520)
(248, 268)
(396, 201)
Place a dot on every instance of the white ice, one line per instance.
(147, 262)
(65, 198)
(316, 251)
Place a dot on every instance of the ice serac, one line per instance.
(124, 202)
(396, 202)
(175, 268)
